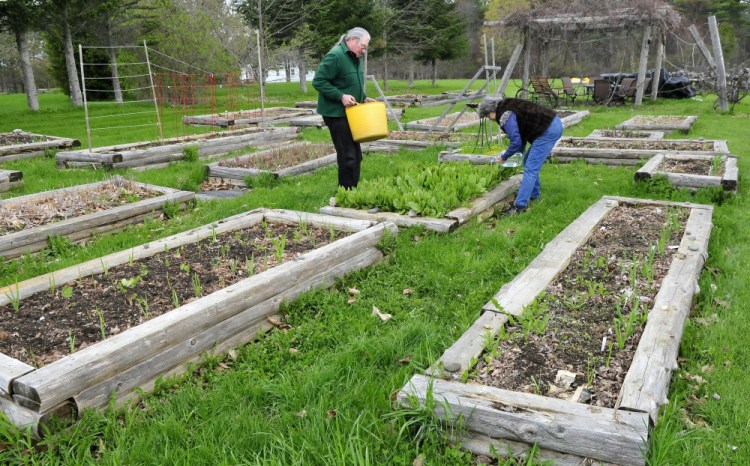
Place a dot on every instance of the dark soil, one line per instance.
(581, 305)
(84, 312)
(689, 166)
(11, 139)
(661, 144)
(282, 157)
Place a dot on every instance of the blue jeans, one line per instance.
(533, 160)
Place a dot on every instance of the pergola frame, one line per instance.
(653, 20)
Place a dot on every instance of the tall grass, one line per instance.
(330, 400)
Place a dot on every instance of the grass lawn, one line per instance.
(329, 399)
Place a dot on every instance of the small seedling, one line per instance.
(213, 234)
(105, 269)
(175, 299)
(142, 304)
(185, 267)
(67, 292)
(102, 327)
(197, 285)
(14, 298)
(52, 286)
(590, 372)
(143, 271)
(279, 244)
(250, 266)
(331, 233)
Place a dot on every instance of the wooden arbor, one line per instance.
(560, 19)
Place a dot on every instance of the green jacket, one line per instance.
(339, 73)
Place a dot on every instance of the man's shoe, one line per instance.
(513, 210)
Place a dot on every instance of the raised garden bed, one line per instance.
(438, 198)
(455, 120)
(147, 155)
(22, 145)
(10, 179)
(316, 121)
(454, 155)
(630, 151)
(289, 160)
(560, 357)
(80, 212)
(571, 117)
(693, 171)
(625, 134)
(666, 123)
(255, 117)
(114, 325)
(421, 139)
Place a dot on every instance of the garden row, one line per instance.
(593, 396)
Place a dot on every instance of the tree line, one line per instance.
(222, 37)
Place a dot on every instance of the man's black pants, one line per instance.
(348, 152)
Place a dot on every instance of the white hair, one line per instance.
(356, 33)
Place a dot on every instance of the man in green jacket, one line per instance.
(340, 83)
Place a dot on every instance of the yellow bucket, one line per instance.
(368, 122)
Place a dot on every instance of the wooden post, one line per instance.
(643, 65)
(526, 62)
(721, 77)
(509, 69)
(702, 46)
(657, 66)
(153, 92)
(85, 101)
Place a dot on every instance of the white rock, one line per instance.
(564, 379)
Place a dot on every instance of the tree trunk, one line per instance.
(113, 66)
(70, 63)
(411, 72)
(288, 70)
(302, 60)
(385, 71)
(28, 73)
(434, 72)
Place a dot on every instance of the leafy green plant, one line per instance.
(261, 180)
(190, 154)
(427, 190)
(67, 292)
(170, 209)
(59, 246)
(250, 266)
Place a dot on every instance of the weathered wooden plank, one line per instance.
(293, 217)
(236, 330)
(309, 166)
(683, 126)
(693, 182)
(584, 430)
(454, 156)
(649, 168)
(638, 201)
(574, 119)
(441, 225)
(12, 175)
(64, 378)
(7, 152)
(522, 290)
(22, 418)
(595, 160)
(646, 384)
(481, 444)
(430, 123)
(10, 369)
(85, 156)
(731, 174)
(497, 194)
(97, 266)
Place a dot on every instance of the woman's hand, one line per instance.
(348, 100)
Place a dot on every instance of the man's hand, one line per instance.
(348, 100)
